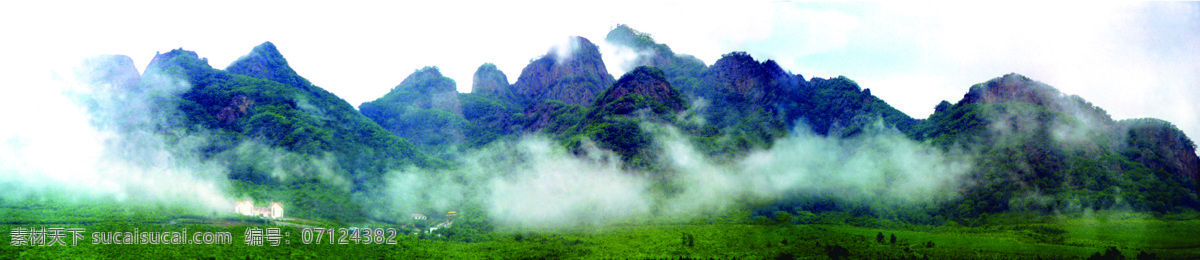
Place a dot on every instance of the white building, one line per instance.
(246, 207)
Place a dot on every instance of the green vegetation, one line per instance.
(682, 71)
(1050, 176)
(839, 102)
(1029, 168)
(725, 237)
(423, 109)
(615, 121)
(236, 110)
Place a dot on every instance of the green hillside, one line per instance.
(674, 159)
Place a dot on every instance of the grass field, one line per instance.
(1009, 237)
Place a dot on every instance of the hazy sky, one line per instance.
(1134, 60)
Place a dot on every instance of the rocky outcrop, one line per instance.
(741, 78)
(1013, 88)
(1158, 144)
(574, 75)
(489, 81)
(642, 88)
(161, 59)
(737, 86)
(1018, 88)
(649, 53)
(180, 62)
(426, 88)
(239, 106)
(265, 62)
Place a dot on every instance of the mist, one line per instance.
(533, 182)
(565, 49)
(619, 58)
(255, 160)
(882, 165)
(95, 132)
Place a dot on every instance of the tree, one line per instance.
(893, 238)
(782, 217)
(1110, 253)
(1143, 255)
(688, 240)
(837, 252)
(879, 237)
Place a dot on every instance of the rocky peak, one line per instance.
(625, 35)
(650, 53)
(942, 106)
(426, 88)
(489, 80)
(1018, 88)
(574, 76)
(738, 75)
(178, 58)
(1012, 88)
(159, 58)
(265, 62)
(646, 82)
(427, 80)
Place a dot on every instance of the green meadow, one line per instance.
(731, 236)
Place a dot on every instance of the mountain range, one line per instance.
(1026, 136)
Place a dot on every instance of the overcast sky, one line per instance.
(1133, 60)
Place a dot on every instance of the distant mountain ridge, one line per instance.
(1027, 138)
(1043, 141)
(311, 148)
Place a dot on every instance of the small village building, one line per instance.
(246, 207)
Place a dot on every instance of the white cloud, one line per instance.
(63, 136)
